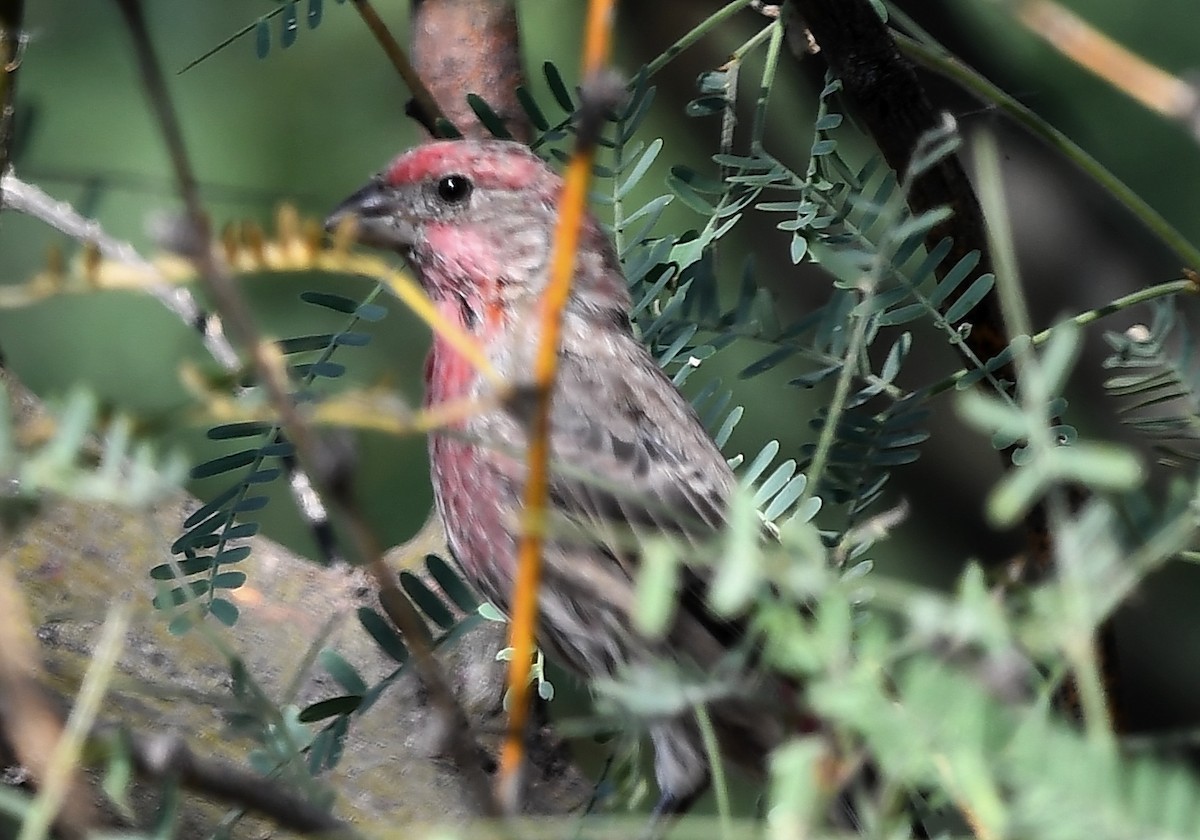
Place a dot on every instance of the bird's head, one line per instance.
(476, 219)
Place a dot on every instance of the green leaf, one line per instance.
(828, 122)
(347, 704)
(280, 449)
(490, 613)
(488, 118)
(451, 583)
(426, 600)
(230, 431)
(1059, 357)
(224, 611)
(1097, 465)
(558, 88)
(180, 624)
(920, 225)
(342, 672)
(1018, 491)
(992, 415)
(798, 249)
(328, 370)
(688, 194)
(180, 595)
(776, 482)
(739, 576)
(991, 366)
(251, 503)
(895, 358)
(532, 110)
(823, 147)
(722, 436)
(639, 170)
(371, 312)
(761, 461)
(327, 300)
(224, 463)
(976, 292)
(302, 343)
(229, 580)
(262, 38)
(232, 555)
(187, 566)
(772, 359)
(381, 631)
(955, 276)
(902, 315)
(289, 27)
(785, 498)
(652, 211)
(263, 476)
(705, 106)
(657, 592)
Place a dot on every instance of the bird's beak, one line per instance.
(378, 217)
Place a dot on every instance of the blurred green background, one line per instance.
(309, 123)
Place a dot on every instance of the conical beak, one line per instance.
(378, 218)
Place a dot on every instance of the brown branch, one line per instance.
(167, 757)
(894, 108)
(28, 724)
(12, 47)
(268, 369)
(471, 46)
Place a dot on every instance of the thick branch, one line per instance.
(893, 106)
(471, 46)
(164, 757)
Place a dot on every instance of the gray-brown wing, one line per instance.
(633, 458)
(629, 449)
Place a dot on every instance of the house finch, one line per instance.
(475, 219)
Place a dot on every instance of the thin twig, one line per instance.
(31, 200)
(1186, 285)
(268, 368)
(426, 110)
(933, 56)
(1151, 86)
(571, 208)
(695, 34)
(1035, 400)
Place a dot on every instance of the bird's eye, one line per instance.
(454, 189)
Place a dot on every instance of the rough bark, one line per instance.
(470, 46)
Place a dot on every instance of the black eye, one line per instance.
(454, 189)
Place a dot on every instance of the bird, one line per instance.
(475, 221)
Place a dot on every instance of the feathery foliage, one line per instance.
(946, 695)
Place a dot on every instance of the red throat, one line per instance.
(448, 375)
